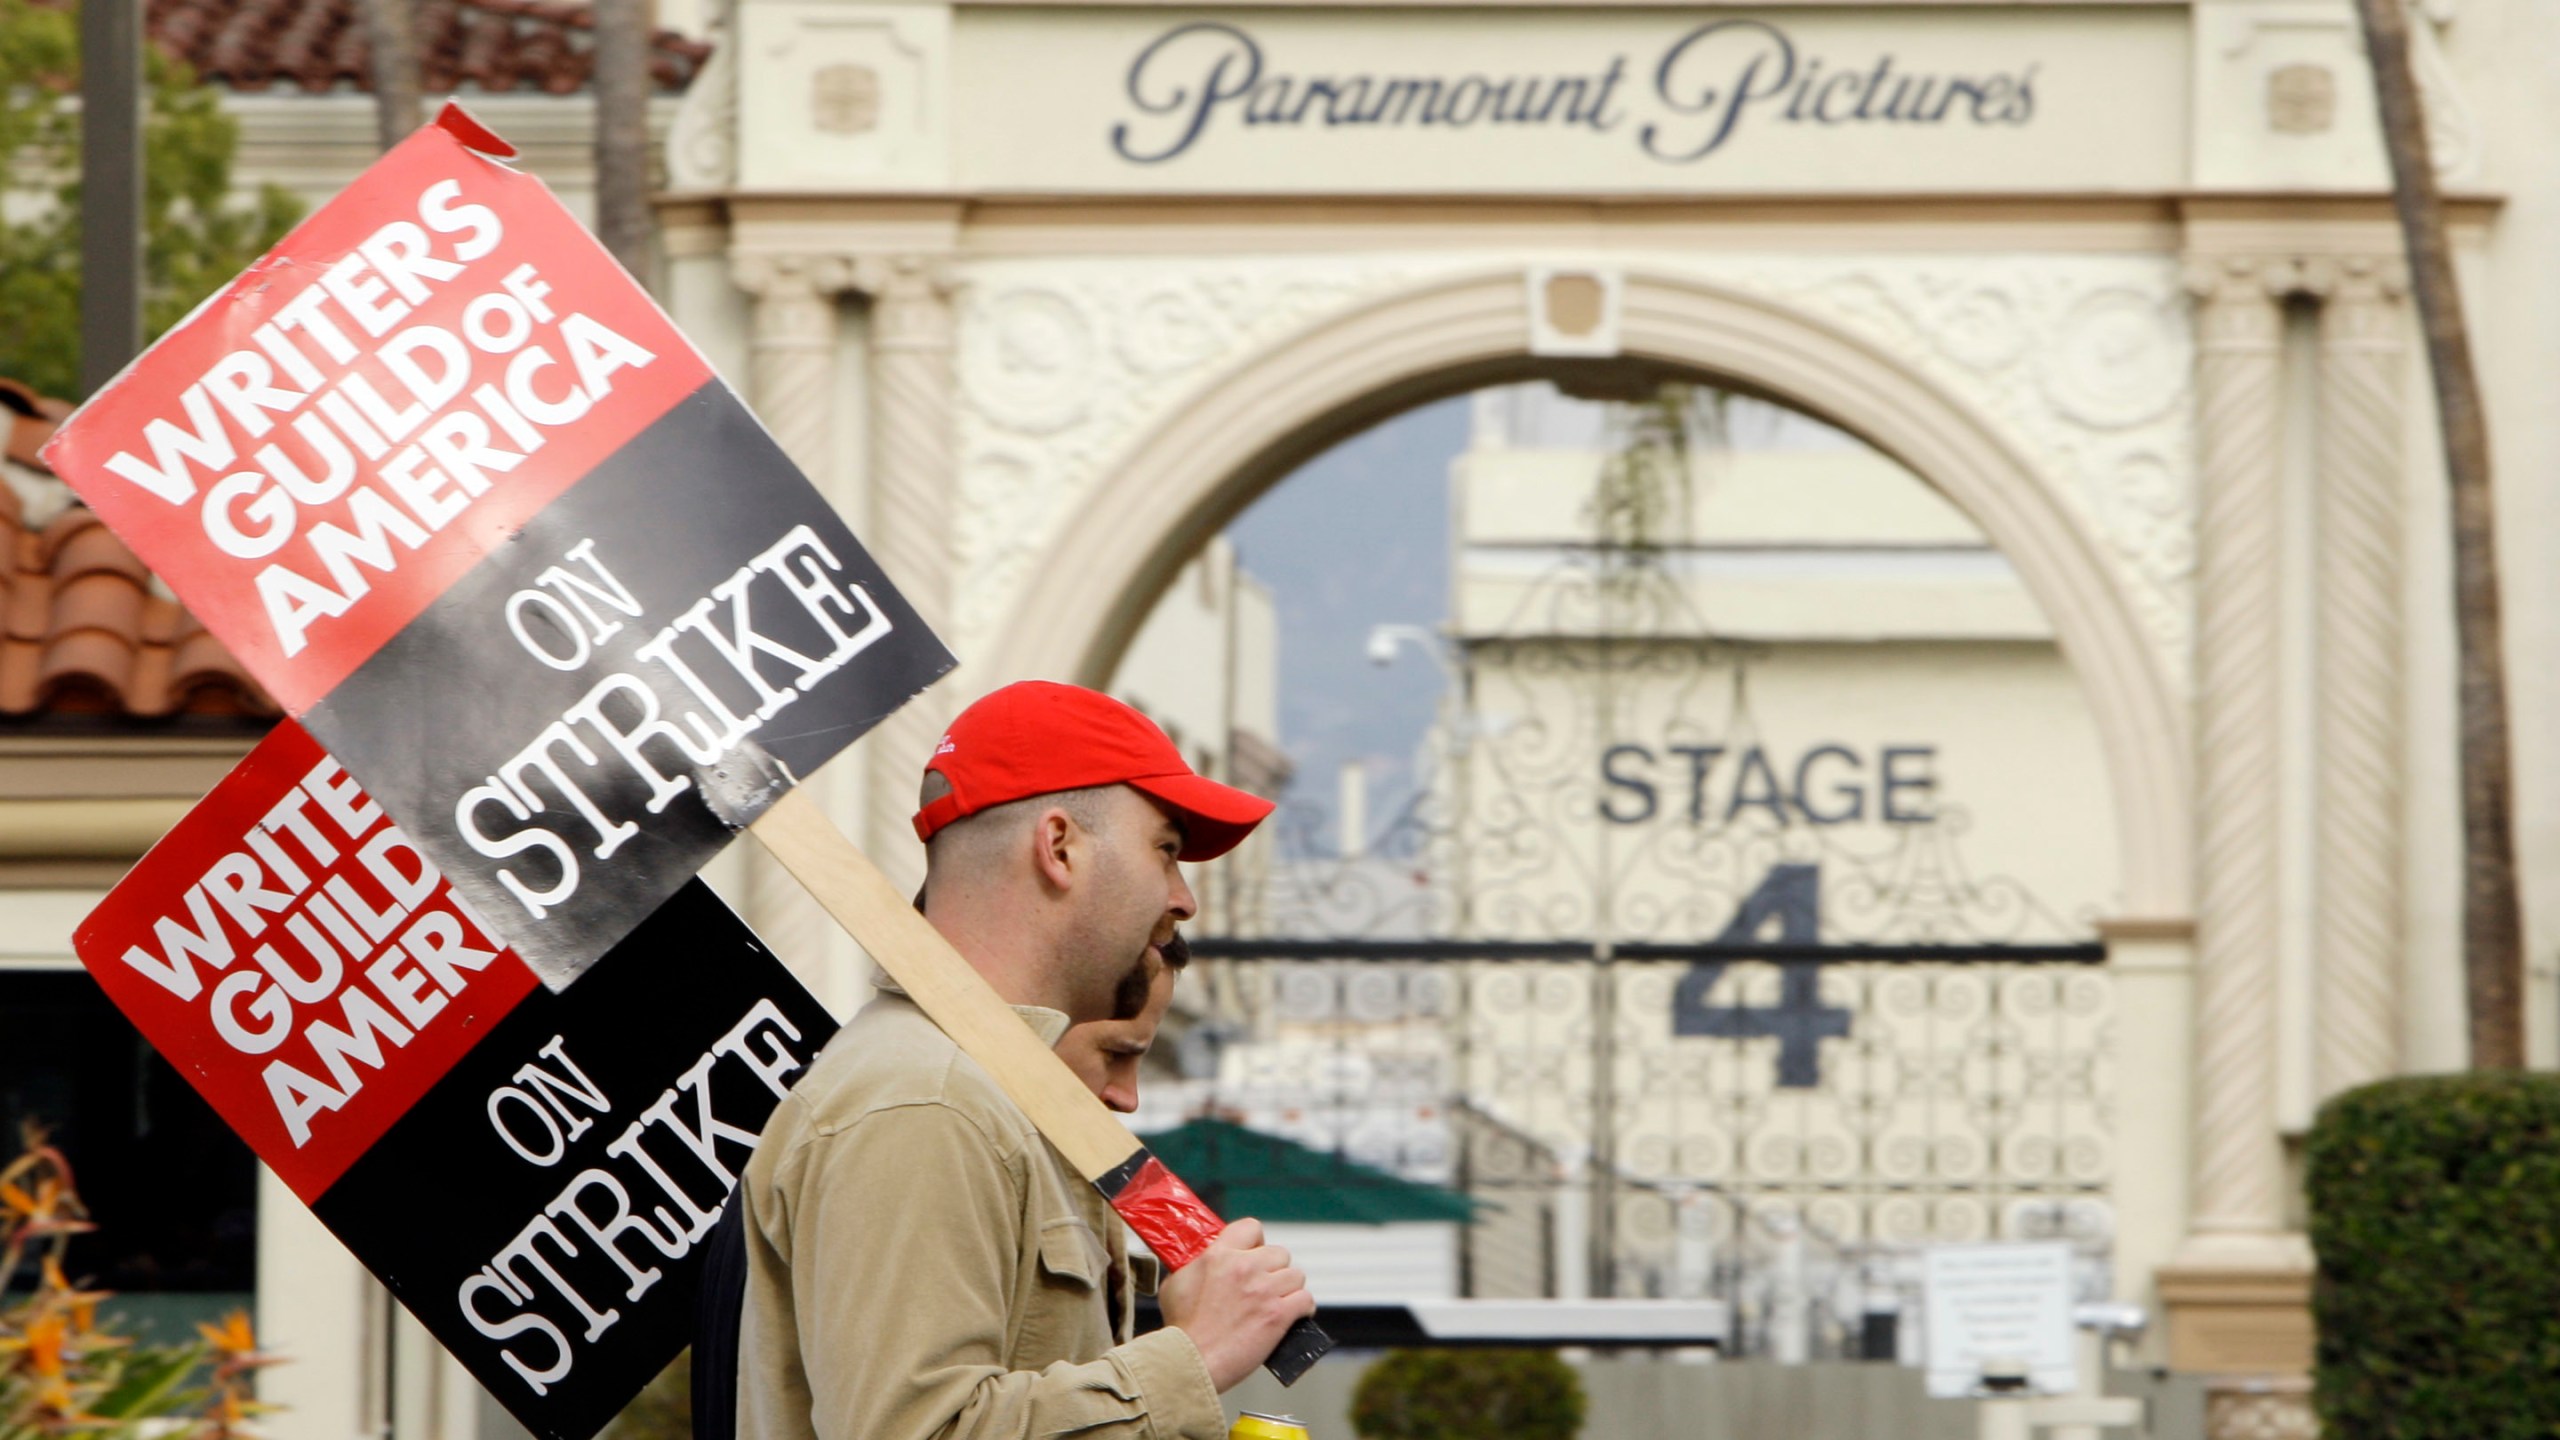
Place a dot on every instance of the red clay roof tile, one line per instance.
(27, 420)
(84, 633)
(319, 45)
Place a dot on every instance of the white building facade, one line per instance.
(1045, 293)
(1042, 294)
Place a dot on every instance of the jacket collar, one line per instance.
(1050, 1025)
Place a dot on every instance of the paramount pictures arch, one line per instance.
(1040, 374)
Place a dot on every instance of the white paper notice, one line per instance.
(2007, 1304)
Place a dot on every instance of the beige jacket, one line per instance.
(921, 1265)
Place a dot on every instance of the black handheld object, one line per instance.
(1298, 1351)
(718, 1319)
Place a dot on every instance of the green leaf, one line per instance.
(197, 235)
(149, 1384)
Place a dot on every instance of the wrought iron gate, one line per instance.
(1686, 1013)
(1959, 1093)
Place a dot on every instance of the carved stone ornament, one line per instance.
(702, 143)
(1574, 304)
(2272, 1412)
(844, 99)
(795, 297)
(2233, 297)
(774, 276)
(2085, 362)
(911, 299)
(2117, 359)
(1064, 364)
(2453, 133)
(2302, 99)
(2356, 291)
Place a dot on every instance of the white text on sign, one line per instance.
(266, 442)
(734, 677)
(507, 1299)
(344, 975)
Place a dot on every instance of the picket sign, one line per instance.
(442, 476)
(531, 1174)
(464, 499)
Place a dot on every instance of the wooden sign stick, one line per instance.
(1173, 1222)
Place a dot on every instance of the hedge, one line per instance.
(2435, 1211)
(1468, 1395)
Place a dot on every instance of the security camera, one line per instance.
(1382, 646)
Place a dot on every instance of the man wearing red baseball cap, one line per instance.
(921, 1265)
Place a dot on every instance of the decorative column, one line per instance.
(792, 348)
(2237, 1290)
(2239, 1176)
(2358, 937)
(914, 472)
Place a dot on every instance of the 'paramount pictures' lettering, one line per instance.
(1686, 104)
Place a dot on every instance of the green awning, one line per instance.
(1246, 1172)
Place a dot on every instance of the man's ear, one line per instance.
(1055, 838)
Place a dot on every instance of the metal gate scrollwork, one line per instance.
(1743, 1046)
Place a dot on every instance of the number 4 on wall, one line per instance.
(1799, 1022)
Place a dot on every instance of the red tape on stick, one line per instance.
(1178, 1226)
(1175, 1223)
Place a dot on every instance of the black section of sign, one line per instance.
(693, 576)
(1116, 1179)
(554, 1260)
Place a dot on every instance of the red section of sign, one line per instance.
(1176, 1224)
(321, 449)
(467, 128)
(299, 961)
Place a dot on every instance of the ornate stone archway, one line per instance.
(1093, 583)
(1099, 403)
(2117, 601)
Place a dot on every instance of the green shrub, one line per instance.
(1468, 1395)
(2435, 1209)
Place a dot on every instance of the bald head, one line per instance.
(1060, 900)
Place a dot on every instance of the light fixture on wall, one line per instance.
(1385, 640)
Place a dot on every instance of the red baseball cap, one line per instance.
(1037, 737)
